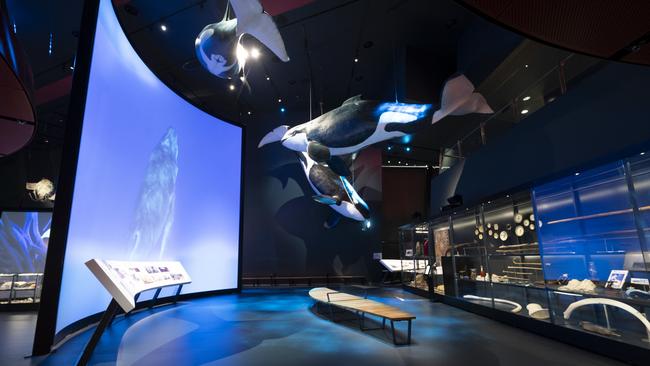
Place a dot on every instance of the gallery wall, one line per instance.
(283, 225)
(602, 117)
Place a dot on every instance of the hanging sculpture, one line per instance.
(218, 47)
(333, 190)
(359, 123)
(41, 191)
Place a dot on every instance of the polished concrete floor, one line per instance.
(281, 327)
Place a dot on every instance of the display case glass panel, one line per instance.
(416, 254)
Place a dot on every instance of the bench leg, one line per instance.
(408, 339)
(409, 335)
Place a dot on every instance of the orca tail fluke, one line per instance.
(252, 19)
(273, 136)
(459, 98)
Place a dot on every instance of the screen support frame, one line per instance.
(48, 309)
(44, 336)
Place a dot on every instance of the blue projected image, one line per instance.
(23, 241)
(157, 179)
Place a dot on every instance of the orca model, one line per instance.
(333, 190)
(218, 46)
(358, 123)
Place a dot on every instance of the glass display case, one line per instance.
(495, 259)
(593, 238)
(574, 254)
(440, 235)
(415, 255)
(16, 288)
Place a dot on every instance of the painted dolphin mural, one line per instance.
(358, 123)
(218, 46)
(154, 215)
(333, 190)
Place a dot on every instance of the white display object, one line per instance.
(397, 265)
(125, 279)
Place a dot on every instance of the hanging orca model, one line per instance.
(359, 123)
(218, 46)
(333, 190)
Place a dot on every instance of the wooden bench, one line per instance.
(362, 306)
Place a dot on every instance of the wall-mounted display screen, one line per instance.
(23, 241)
(157, 179)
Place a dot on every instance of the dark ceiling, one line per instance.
(404, 48)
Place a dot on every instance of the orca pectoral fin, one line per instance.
(274, 136)
(318, 152)
(326, 200)
(252, 19)
(338, 166)
(332, 220)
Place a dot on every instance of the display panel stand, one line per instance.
(125, 281)
(105, 321)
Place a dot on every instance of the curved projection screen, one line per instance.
(157, 179)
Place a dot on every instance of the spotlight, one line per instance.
(163, 28)
(241, 53)
(231, 87)
(406, 139)
(368, 224)
(643, 153)
(242, 78)
(526, 65)
(577, 174)
(282, 109)
(268, 78)
(527, 97)
(388, 161)
(255, 53)
(279, 100)
(390, 148)
(249, 113)
(408, 149)
(524, 111)
(356, 60)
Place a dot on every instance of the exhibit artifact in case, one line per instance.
(572, 253)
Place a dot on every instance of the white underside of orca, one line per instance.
(380, 133)
(345, 208)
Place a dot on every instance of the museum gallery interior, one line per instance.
(324, 182)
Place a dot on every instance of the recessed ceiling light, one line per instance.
(249, 113)
(524, 111)
(231, 87)
(163, 28)
(526, 65)
(408, 149)
(279, 100)
(268, 78)
(388, 161)
(577, 174)
(527, 97)
(643, 153)
(282, 109)
(356, 60)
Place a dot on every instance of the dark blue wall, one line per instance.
(602, 117)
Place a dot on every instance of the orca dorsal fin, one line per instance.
(354, 99)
